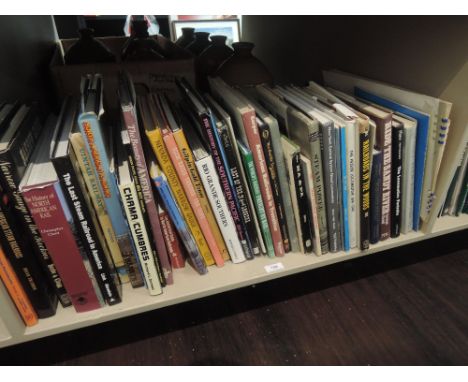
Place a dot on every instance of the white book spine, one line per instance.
(140, 237)
(207, 171)
(407, 195)
(352, 165)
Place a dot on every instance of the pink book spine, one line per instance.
(48, 213)
(251, 131)
(189, 189)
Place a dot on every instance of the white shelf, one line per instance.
(190, 286)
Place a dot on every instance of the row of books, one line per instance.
(95, 199)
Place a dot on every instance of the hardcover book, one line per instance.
(365, 153)
(397, 160)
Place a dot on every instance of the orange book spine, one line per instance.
(16, 292)
(191, 194)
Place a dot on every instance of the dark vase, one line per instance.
(200, 43)
(242, 68)
(140, 46)
(88, 50)
(188, 36)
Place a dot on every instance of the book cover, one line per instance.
(375, 196)
(143, 183)
(170, 237)
(397, 161)
(93, 132)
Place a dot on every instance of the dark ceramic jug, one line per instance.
(88, 50)
(188, 36)
(242, 68)
(140, 46)
(200, 43)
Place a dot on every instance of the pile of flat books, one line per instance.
(96, 199)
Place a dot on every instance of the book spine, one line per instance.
(90, 129)
(240, 192)
(344, 190)
(376, 197)
(86, 229)
(352, 170)
(149, 209)
(253, 137)
(225, 181)
(318, 182)
(331, 181)
(168, 199)
(172, 242)
(209, 177)
(384, 142)
(10, 179)
(303, 203)
(270, 161)
(312, 202)
(397, 153)
(92, 188)
(50, 215)
(16, 291)
(140, 237)
(209, 248)
(186, 153)
(249, 166)
(364, 186)
(407, 179)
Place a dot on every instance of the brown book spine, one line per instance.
(172, 241)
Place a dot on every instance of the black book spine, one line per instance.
(239, 191)
(13, 163)
(303, 203)
(17, 249)
(107, 279)
(365, 153)
(376, 197)
(141, 200)
(265, 138)
(397, 158)
(225, 179)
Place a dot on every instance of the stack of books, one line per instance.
(96, 199)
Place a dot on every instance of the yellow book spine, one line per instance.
(157, 144)
(79, 147)
(186, 154)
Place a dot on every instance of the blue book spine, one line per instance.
(91, 130)
(344, 188)
(421, 143)
(179, 223)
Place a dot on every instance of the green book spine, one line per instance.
(249, 167)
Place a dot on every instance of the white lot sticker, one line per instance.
(274, 267)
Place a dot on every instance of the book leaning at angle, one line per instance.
(171, 239)
(94, 134)
(43, 194)
(66, 166)
(143, 183)
(136, 220)
(14, 158)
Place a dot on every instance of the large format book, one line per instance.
(66, 166)
(301, 208)
(397, 161)
(429, 139)
(161, 184)
(136, 220)
(222, 117)
(249, 167)
(208, 130)
(305, 132)
(92, 188)
(16, 291)
(376, 196)
(208, 172)
(172, 134)
(246, 120)
(329, 164)
(151, 122)
(44, 196)
(97, 144)
(278, 119)
(149, 208)
(21, 127)
(14, 236)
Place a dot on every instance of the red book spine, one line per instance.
(48, 213)
(251, 131)
(172, 242)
